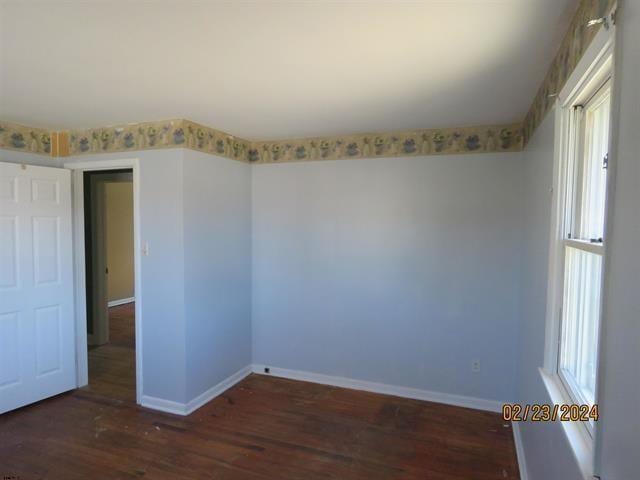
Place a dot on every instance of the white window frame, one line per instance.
(592, 70)
(591, 93)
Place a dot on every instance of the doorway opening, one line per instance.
(110, 279)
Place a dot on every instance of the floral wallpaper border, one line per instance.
(176, 133)
(575, 42)
(503, 138)
(28, 139)
(181, 133)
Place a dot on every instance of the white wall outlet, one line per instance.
(475, 366)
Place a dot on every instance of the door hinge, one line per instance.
(605, 161)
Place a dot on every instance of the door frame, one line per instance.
(77, 193)
(100, 317)
(99, 258)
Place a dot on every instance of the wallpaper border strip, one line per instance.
(444, 141)
(182, 133)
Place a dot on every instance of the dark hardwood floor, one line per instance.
(262, 428)
(112, 366)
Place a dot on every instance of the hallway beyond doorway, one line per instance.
(112, 371)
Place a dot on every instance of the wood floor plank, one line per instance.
(262, 428)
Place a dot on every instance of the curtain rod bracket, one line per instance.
(605, 21)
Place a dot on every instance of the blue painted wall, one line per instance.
(399, 271)
(217, 267)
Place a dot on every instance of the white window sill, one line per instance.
(580, 441)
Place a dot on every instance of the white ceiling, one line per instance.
(267, 69)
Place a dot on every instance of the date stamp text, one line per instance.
(545, 412)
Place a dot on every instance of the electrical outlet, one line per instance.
(475, 366)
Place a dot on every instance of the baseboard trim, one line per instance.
(191, 406)
(122, 301)
(178, 408)
(522, 461)
(163, 405)
(397, 391)
(216, 390)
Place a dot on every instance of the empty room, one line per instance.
(320, 239)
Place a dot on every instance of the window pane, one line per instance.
(594, 178)
(580, 322)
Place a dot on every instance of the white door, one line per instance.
(37, 346)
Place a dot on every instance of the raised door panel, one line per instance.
(8, 252)
(10, 371)
(45, 192)
(46, 250)
(48, 340)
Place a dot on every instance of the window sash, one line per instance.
(586, 176)
(579, 323)
(587, 246)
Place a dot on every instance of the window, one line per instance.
(583, 237)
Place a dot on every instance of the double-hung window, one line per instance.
(583, 239)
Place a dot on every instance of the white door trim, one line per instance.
(77, 191)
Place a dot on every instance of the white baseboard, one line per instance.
(522, 461)
(405, 392)
(192, 405)
(216, 390)
(122, 301)
(163, 405)
(397, 391)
